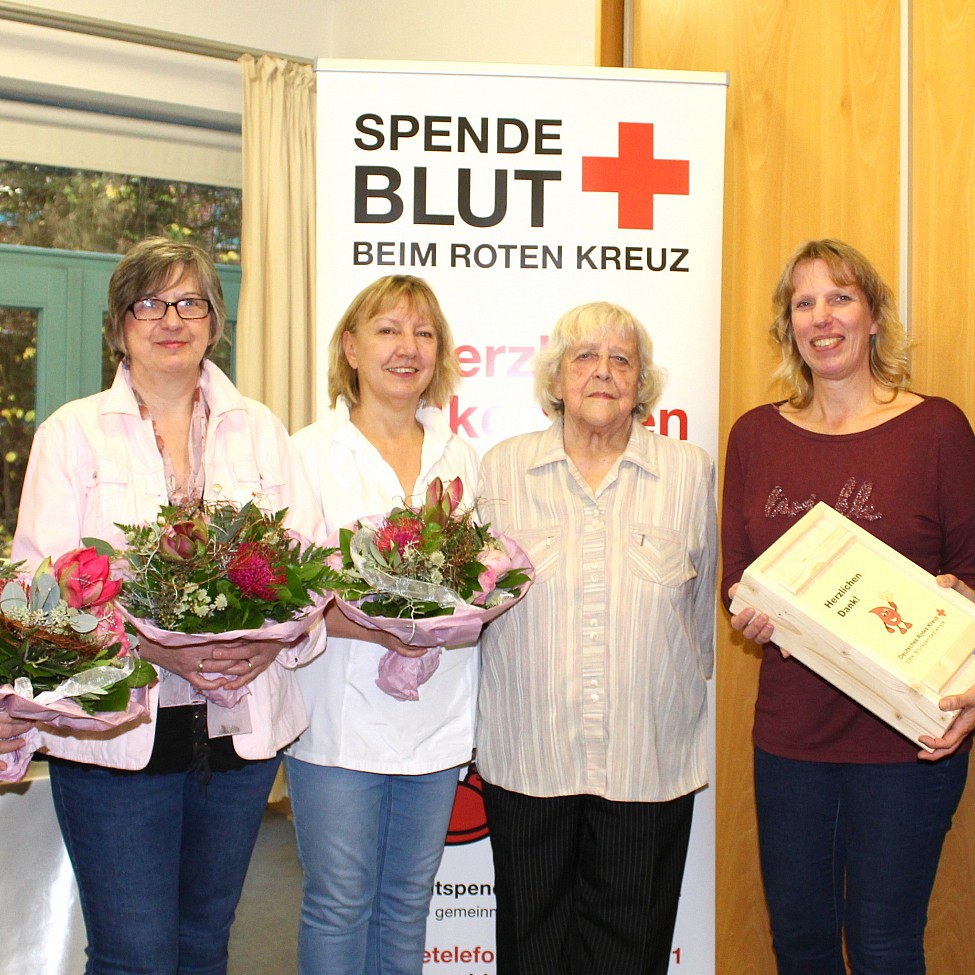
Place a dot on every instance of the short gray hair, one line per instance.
(587, 323)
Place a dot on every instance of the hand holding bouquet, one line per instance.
(430, 575)
(217, 574)
(65, 656)
(213, 567)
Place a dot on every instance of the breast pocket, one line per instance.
(543, 546)
(261, 480)
(109, 492)
(659, 555)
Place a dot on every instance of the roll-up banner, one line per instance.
(518, 193)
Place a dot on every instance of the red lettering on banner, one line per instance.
(662, 421)
(456, 953)
(475, 422)
(635, 175)
(461, 422)
(471, 359)
(467, 355)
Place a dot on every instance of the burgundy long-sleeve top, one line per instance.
(910, 481)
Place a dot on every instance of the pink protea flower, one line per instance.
(399, 534)
(442, 501)
(111, 629)
(83, 577)
(184, 540)
(251, 571)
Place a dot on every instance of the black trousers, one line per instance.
(586, 886)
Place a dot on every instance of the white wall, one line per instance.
(511, 31)
(291, 27)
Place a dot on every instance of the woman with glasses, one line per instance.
(160, 818)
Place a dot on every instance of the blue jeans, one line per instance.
(160, 865)
(369, 846)
(852, 849)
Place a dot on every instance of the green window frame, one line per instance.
(69, 292)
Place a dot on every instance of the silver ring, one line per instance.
(250, 666)
(199, 667)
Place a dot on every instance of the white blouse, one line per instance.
(353, 724)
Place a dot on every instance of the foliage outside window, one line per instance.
(18, 347)
(76, 210)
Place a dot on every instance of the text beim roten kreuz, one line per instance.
(517, 194)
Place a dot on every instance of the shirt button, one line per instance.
(594, 697)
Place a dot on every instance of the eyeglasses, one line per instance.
(153, 309)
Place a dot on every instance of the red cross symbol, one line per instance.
(635, 176)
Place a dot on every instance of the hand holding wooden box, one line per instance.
(865, 618)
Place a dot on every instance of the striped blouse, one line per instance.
(595, 682)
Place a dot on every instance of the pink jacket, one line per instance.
(94, 462)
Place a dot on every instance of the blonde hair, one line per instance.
(150, 266)
(378, 297)
(889, 345)
(593, 322)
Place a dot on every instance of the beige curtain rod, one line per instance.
(40, 17)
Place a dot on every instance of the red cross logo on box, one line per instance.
(635, 175)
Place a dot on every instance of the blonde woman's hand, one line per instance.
(752, 624)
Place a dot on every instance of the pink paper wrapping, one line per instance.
(65, 713)
(401, 676)
(286, 633)
(460, 629)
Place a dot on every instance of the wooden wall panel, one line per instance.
(610, 34)
(943, 199)
(942, 319)
(812, 151)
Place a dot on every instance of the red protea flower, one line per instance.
(251, 571)
(399, 534)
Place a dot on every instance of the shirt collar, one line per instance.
(219, 392)
(641, 449)
(436, 426)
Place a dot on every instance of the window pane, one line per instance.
(77, 210)
(18, 390)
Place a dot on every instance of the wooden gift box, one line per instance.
(865, 618)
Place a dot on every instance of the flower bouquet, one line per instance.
(219, 573)
(65, 656)
(430, 575)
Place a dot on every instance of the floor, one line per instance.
(263, 939)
